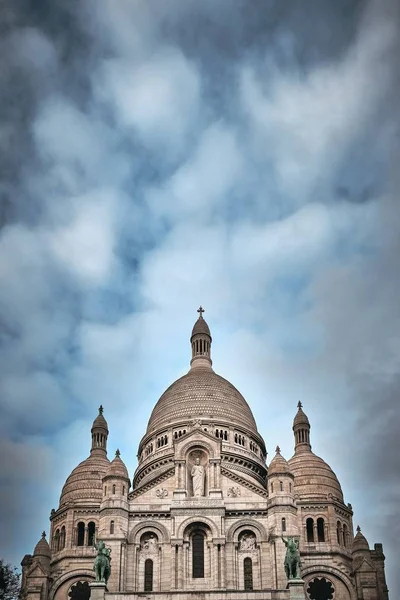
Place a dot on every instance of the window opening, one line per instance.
(148, 575)
(310, 530)
(248, 573)
(198, 555)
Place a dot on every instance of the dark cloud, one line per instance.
(159, 155)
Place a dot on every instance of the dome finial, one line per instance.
(277, 450)
(358, 529)
(43, 535)
(299, 404)
(200, 310)
(99, 433)
(101, 409)
(117, 453)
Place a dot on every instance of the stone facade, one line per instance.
(205, 518)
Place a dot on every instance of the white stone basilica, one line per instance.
(204, 517)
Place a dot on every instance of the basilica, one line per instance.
(204, 516)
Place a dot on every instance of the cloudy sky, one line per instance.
(155, 155)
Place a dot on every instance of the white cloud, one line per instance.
(158, 98)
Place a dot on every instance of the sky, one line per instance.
(155, 156)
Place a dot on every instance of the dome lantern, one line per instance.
(99, 434)
(301, 429)
(201, 343)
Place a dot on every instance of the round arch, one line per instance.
(234, 531)
(193, 443)
(158, 528)
(199, 519)
(309, 572)
(76, 575)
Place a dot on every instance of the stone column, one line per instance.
(180, 565)
(326, 530)
(85, 541)
(223, 566)
(214, 566)
(315, 532)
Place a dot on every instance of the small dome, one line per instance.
(42, 548)
(360, 542)
(301, 417)
(85, 481)
(313, 477)
(201, 327)
(279, 465)
(117, 468)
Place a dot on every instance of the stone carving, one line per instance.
(198, 478)
(102, 562)
(150, 545)
(247, 543)
(162, 493)
(292, 558)
(234, 492)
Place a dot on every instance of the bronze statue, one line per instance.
(292, 558)
(102, 566)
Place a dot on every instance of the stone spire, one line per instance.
(301, 429)
(99, 434)
(201, 343)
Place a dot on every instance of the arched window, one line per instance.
(114, 488)
(310, 530)
(81, 534)
(57, 540)
(281, 486)
(111, 526)
(283, 524)
(123, 490)
(320, 589)
(148, 575)
(321, 529)
(91, 532)
(79, 591)
(338, 532)
(272, 487)
(198, 555)
(344, 535)
(248, 573)
(62, 538)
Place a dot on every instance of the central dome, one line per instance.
(201, 394)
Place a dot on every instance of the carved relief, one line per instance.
(247, 543)
(162, 493)
(149, 545)
(234, 492)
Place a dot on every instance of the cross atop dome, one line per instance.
(200, 310)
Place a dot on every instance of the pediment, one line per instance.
(239, 480)
(152, 481)
(36, 570)
(365, 566)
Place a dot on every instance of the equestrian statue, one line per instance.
(292, 558)
(102, 566)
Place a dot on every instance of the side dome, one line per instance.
(360, 542)
(84, 483)
(117, 468)
(42, 548)
(279, 465)
(201, 393)
(313, 477)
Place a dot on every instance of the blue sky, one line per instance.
(161, 155)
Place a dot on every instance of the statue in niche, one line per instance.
(150, 545)
(198, 478)
(247, 543)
